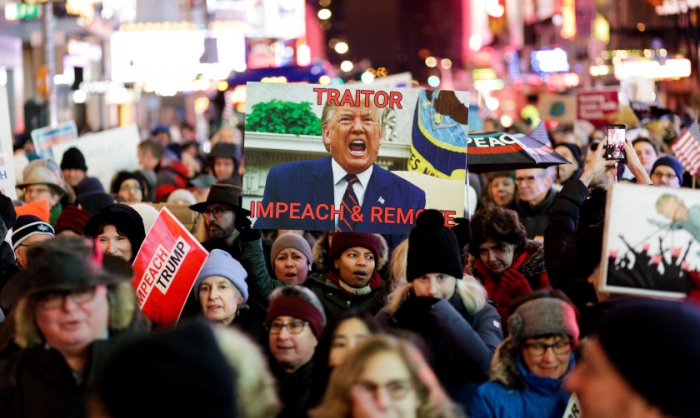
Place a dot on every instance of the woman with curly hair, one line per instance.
(504, 260)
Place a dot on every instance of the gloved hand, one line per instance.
(413, 312)
(244, 226)
(514, 284)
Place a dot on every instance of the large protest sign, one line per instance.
(106, 152)
(165, 269)
(598, 106)
(360, 128)
(7, 169)
(45, 139)
(651, 240)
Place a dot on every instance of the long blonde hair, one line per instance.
(432, 400)
(469, 289)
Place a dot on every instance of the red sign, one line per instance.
(165, 269)
(597, 106)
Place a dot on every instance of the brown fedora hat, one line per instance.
(42, 175)
(227, 194)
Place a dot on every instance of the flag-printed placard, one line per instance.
(687, 148)
(540, 133)
(165, 269)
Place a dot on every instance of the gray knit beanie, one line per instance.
(543, 316)
(220, 263)
(291, 240)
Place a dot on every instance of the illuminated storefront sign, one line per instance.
(654, 70)
(547, 61)
(674, 7)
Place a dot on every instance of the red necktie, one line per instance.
(349, 204)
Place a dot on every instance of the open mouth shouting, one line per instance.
(357, 147)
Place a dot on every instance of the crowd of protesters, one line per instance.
(500, 316)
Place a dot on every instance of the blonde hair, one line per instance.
(432, 400)
(397, 265)
(255, 387)
(122, 308)
(470, 291)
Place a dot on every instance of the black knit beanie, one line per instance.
(125, 219)
(654, 344)
(73, 158)
(432, 248)
(177, 373)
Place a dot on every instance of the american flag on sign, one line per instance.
(687, 148)
(540, 134)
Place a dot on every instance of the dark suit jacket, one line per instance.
(311, 182)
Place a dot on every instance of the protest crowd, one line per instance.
(499, 313)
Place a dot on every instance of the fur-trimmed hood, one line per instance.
(123, 312)
(321, 250)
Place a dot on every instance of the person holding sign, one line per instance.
(222, 292)
(346, 191)
(531, 363)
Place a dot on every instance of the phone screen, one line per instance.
(615, 144)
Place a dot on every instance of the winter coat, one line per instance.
(294, 389)
(532, 276)
(514, 392)
(568, 266)
(535, 220)
(460, 344)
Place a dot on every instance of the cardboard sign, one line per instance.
(357, 126)
(7, 162)
(597, 106)
(559, 107)
(651, 240)
(165, 269)
(46, 138)
(105, 152)
(573, 408)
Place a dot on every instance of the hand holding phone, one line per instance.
(614, 147)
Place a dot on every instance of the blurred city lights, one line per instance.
(347, 66)
(324, 3)
(341, 47)
(431, 62)
(324, 79)
(222, 86)
(475, 42)
(79, 96)
(433, 81)
(324, 14)
(641, 27)
(367, 77)
(446, 63)
(492, 103)
(495, 9)
(506, 121)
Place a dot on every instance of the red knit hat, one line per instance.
(297, 308)
(73, 219)
(344, 240)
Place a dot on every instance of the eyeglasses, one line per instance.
(126, 188)
(528, 179)
(217, 212)
(37, 190)
(397, 389)
(55, 300)
(669, 176)
(559, 347)
(294, 327)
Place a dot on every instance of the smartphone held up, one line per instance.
(614, 148)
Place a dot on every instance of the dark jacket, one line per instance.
(460, 344)
(294, 389)
(514, 392)
(568, 266)
(535, 220)
(37, 382)
(88, 185)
